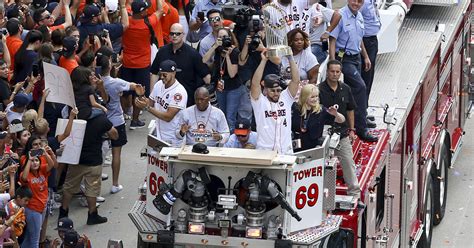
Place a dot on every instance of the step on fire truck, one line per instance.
(420, 99)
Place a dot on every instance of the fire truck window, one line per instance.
(380, 198)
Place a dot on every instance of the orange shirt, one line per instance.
(136, 43)
(68, 64)
(38, 184)
(13, 44)
(167, 20)
(157, 28)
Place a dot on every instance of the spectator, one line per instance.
(27, 55)
(28, 119)
(14, 42)
(335, 92)
(273, 110)
(243, 136)
(42, 16)
(7, 237)
(348, 45)
(16, 207)
(194, 71)
(202, 26)
(65, 226)
(68, 58)
(34, 175)
(89, 169)
(322, 21)
(214, 19)
(306, 61)
(167, 20)
(82, 81)
(136, 50)
(22, 137)
(90, 23)
(6, 97)
(16, 110)
(166, 100)
(203, 123)
(308, 117)
(114, 88)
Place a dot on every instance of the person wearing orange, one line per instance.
(137, 51)
(43, 17)
(68, 58)
(35, 177)
(182, 6)
(167, 20)
(14, 42)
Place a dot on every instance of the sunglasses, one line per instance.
(46, 17)
(175, 33)
(241, 136)
(274, 90)
(215, 19)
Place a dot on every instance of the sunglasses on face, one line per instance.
(215, 19)
(175, 33)
(46, 17)
(241, 136)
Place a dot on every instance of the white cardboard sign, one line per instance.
(157, 173)
(307, 194)
(73, 143)
(58, 81)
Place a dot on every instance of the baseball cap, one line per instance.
(69, 45)
(71, 238)
(39, 4)
(139, 6)
(65, 224)
(242, 127)
(169, 66)
(15, 126)
(22, 100)
(272, 81)
(200, 148)
(90, 11)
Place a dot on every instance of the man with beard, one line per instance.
(194, 71)
(203, 123)
(273, 110)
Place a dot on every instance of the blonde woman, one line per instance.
(309, 117)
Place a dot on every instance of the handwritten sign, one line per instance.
(307, 194)
(73, 143)
(58, 81)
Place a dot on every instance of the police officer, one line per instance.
(332, 92)
(372, 27)
(346, 45)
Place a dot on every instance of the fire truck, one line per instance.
(420, 99)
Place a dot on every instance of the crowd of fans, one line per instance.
(202, 77)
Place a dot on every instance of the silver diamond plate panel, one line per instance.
(144, 223)
(312, 235)
(329, 202)
(436, 2)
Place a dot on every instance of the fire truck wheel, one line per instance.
(428, 211)
(441, 185)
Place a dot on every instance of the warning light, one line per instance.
(196, 228)
(253, 232)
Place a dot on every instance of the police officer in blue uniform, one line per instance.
(372, 27)
(346, 46)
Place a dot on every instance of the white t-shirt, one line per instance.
(202, 124)
(324, 15)
(305, 60)
(12, 115)
(274, 123)
(174, 96)
(4, 198)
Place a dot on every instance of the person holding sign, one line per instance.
(308, 117)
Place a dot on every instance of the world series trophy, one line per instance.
(276, 29)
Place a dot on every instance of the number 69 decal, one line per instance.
(154, 183)
(307, 196)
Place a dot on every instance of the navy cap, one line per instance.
(91, 11)
(71, 238)
(169, 66)
(69, 45)
(272, 81)
(65, 224)
(139, 6)
(22, 100)
(39, 4)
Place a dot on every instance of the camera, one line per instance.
(226, 42)
(255, 25)
(103, 34)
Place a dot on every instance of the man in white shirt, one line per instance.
(166, 100)
(273, 110)
(243, 136)
(203, 123)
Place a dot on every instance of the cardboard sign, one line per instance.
(307, 194)
(157, 173)
(58, 81)
(73, 143)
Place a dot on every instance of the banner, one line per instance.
(73, 143)
(58, 81)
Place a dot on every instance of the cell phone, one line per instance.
(91, 39)
(115, 58)
(325, 45)
(36, 152)
(35, 70)
(201, 15)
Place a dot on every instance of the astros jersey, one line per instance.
(174, 96)
(274, 123)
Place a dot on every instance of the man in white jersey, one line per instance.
(273, 110)
(166, 100)
(203, 123)
(292, 15)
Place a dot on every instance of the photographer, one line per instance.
(225, 75)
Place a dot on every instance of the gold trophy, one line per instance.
(276, 29)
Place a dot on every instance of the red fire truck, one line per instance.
(420, 99)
